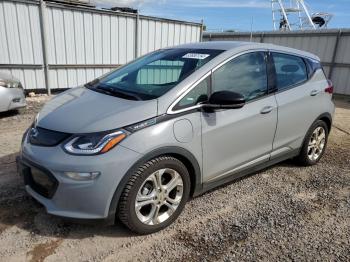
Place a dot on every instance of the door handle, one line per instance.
(266, 110)
(314, 92)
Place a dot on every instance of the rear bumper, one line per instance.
(19, 104)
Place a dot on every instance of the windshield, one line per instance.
(152, 75)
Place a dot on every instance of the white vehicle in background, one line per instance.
(11, 93)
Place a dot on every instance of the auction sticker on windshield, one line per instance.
(196, 56)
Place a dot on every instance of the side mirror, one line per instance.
(225, 100)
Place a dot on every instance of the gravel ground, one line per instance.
(284, 212)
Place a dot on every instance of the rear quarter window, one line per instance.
(290, 70)
(313, 66)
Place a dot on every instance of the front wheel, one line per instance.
(155, 195)
(314, 145)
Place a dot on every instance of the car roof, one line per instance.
(231, 45)
(220, 45)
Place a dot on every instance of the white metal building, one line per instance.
(47, 44)
(331, 45)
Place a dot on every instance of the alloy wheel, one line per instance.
(159, 196)
(316, 144)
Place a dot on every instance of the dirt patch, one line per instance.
(41, 251)
(201, 246)
(17, 211)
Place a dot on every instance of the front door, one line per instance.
(236, 139)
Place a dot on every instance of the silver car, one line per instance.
(136, 143)
(11, 93)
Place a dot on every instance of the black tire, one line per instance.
(303, 159)
(126, 208)
(21, 111)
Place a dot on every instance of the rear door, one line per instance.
(237, 139)
(300, 100)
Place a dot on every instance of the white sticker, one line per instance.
(196, 56)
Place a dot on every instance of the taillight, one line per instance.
(330, 87)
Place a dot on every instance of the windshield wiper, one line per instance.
(118, 92)
(92, 83)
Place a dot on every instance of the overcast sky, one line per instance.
(231, 14)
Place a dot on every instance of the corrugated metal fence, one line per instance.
(59, 46)
(332, 46)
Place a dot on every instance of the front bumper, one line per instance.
(37, 178)
(11, 98)
(70, 198)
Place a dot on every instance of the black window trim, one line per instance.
(172, 111)
(271, 74)
(208, 79)
(264, 51)
(312, 70)
(277, 90)
(209, 74)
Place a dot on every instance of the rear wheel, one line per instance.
(314, 145)
(155, 195)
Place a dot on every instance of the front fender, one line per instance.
(175, 151)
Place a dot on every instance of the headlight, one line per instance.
(9, 83)
(92, 144)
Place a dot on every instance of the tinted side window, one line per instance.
(245, 74)
(198, 94)
(290, 70)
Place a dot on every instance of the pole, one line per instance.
(307, 14)
(202, 29)
(334, 56)
(284, 14)
(201, 32)
(137, 22)
(273, 15)
(251, 30)
(44, 41)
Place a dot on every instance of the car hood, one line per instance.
(80, 110)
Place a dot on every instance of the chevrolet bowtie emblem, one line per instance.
(34, 132)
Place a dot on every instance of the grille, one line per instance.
(44, 137)
(42, 182)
